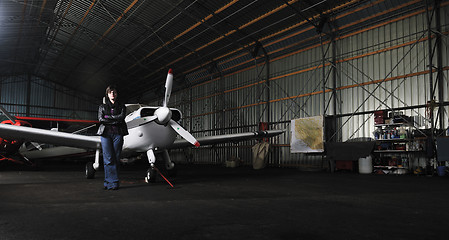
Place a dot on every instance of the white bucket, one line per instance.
(366, 165)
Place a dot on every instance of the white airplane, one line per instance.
(151, 129)
(22, 152)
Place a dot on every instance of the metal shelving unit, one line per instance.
(395, 147)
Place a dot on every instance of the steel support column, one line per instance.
(320, 28)
(28, 100)
(334, 136)
(267, 84)
(432, 12)
(440, 73)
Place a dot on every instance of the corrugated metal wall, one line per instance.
(13, 97)
(401, 55)
(380, 67)
(33, 97)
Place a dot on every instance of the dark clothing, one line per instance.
(112, 119)
(112, 129)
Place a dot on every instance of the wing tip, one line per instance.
(197, 144)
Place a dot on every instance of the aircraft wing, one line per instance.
(47, 136)
(208, 140)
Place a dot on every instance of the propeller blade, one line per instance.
(8, 115)
(140, 121)
(168, 87)
(186, 135)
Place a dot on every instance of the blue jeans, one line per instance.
(112, 148)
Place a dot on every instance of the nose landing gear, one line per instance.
(153, 171)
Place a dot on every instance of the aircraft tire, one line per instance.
(173, 172)
(151, 175)
(90, 171)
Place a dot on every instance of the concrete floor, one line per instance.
(212, 202)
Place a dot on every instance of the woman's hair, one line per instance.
(110, 88)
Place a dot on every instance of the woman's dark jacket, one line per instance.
(107, 119)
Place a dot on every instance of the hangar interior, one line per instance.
(239, 66)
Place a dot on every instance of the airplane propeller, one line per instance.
(168, 87)
(163, 115)
(186, 135)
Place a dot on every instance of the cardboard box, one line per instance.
(380, 116)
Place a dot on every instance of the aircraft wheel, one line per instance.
(151, 175)
(173, 172)
(90, 171)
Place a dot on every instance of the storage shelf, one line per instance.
(395, 140)
(397, 151)
(390, 167)
(394, 124)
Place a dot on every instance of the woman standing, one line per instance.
(111, 115)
